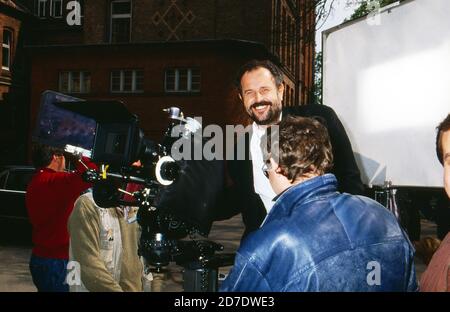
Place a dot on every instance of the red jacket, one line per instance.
(49, 200)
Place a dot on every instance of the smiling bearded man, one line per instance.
(261, 88)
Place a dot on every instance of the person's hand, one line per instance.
(71, 159)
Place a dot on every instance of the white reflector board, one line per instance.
(388, 79)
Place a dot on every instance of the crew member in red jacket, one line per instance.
(50, 199)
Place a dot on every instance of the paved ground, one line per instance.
(15, 276)
(14, 273)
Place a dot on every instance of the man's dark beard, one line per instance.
(272, 115)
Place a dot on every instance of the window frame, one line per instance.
(8, 47)
(189, 79)
(20, 180)
(52, 8)
(82, 79)
(120, 16)
(38, 8)
(134, 82)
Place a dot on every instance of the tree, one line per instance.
(367, 6)
(325, 7)
(318, 78)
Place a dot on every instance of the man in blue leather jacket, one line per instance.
(315, 238)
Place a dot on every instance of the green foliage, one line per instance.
(318, 78)
(365, 7)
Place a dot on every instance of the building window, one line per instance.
(41, 8)
(75, 82)
(120, 21)
(182, 80)
(6, 49)
(127, 81)
(56, 8)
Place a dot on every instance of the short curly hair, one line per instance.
(444, 126)
(304, 147)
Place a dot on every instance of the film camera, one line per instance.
(175, 198)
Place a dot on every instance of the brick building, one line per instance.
(152, 54)
(14, 109)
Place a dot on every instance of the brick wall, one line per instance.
(14, 25)
(14, 100)
(217, 101)
(188, 22)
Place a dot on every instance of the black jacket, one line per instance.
(240, 196)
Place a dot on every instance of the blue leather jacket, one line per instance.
(316, 239)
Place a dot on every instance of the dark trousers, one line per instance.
(49, 275)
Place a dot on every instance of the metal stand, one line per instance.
(387, 197)
(198, 277)
(197, 257)
(200, 280)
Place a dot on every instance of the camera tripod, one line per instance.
(198, 277)
(197, 258)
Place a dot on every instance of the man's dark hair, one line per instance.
(276, 72)
(444, 126)
(304, 147)
(42, 154)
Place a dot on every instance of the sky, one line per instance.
(341, 10)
